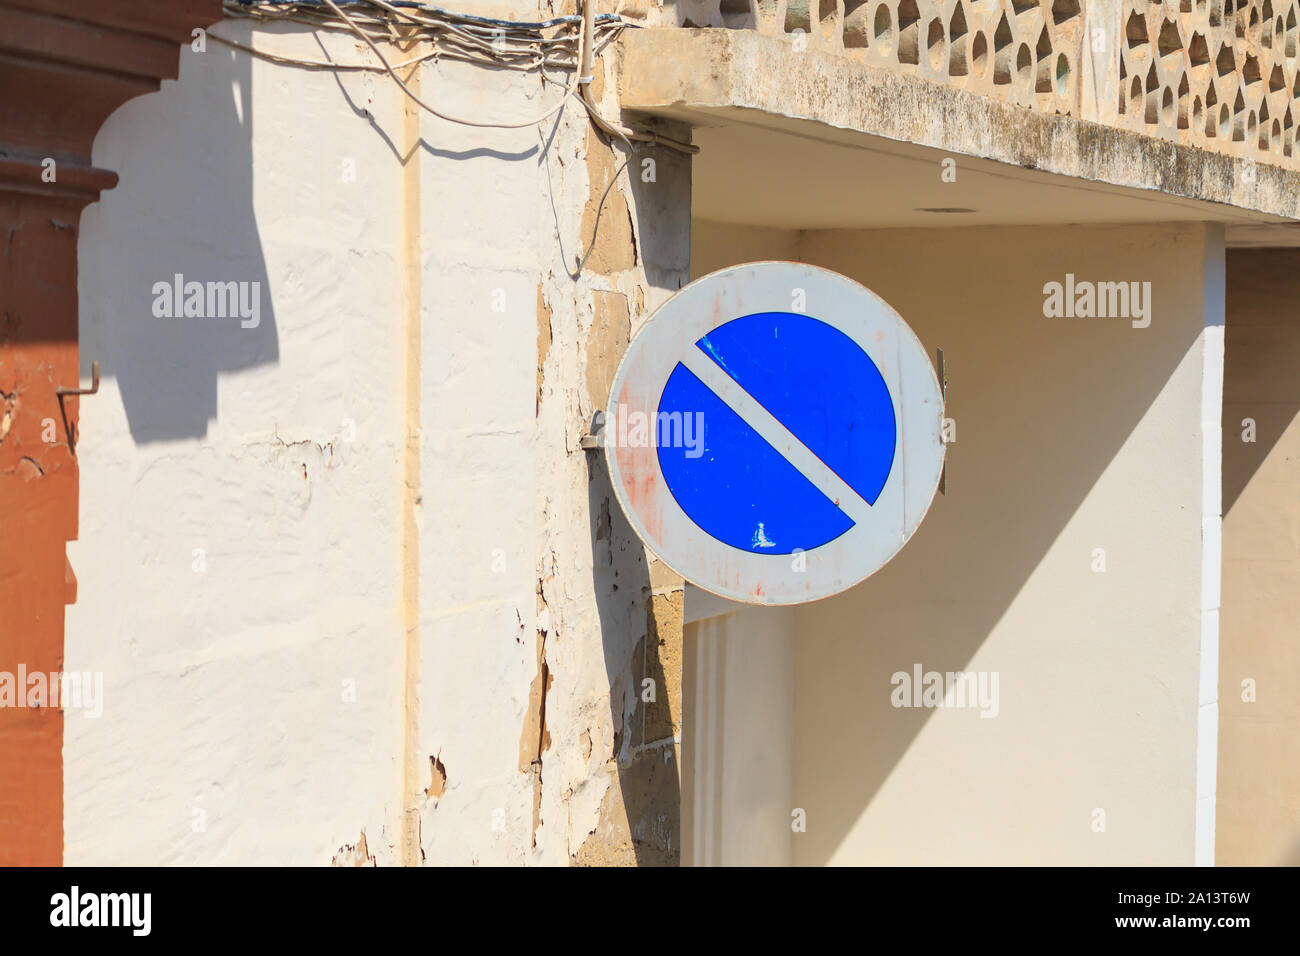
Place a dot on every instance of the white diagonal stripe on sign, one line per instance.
(777, 435)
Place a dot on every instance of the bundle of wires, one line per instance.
(504, 43)
(568, 43)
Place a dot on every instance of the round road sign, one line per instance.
(773, 433)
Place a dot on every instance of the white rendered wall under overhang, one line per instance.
(1073, 435)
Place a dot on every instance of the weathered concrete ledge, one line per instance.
(703, 76)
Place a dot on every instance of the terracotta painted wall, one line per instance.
(38, 504)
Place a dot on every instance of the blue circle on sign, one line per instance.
(818, 383)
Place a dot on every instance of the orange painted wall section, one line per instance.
(38, 501)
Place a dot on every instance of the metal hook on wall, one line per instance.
(62, 391)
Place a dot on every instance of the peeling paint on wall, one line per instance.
(543, 341)
(535, 739)
(470, 357)
(610, 331)
(663, 668)
(639, 820)
(437, 779)
(612, 246)
(357, 854)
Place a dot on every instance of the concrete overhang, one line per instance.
(799, 139)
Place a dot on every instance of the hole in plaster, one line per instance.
(1024, 65)
(958, 42)
(1250, 71)
(856, 33)
(1136, 32)
(1062, 74)
(909, 33)
(884, 30)
(1199, 51)
(1063, 10)
(980, 54)
(935, 43)
(1002, 52)
(1226, 61)
(1043, 54)
(736, 15)
(798, 16)
(1153, 97)
(1169, 42)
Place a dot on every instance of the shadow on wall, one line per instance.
(172, 216)
(1044, 407)
(1259, 747)
(637, 655)
(1260, 360)
(648, 782)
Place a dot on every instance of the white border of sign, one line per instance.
(669, 337)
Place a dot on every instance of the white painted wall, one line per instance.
(225, 688)
(519, 533)
(1072, 435)
(281, 451)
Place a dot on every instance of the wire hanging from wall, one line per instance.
(569, 43)
(557, 44)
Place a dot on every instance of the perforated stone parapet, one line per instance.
(1218, 74)
(1020, 51)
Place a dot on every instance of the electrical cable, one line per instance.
(470, 39)
(440, 12)
(480, 124)
(460, 29)
(456, 28)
